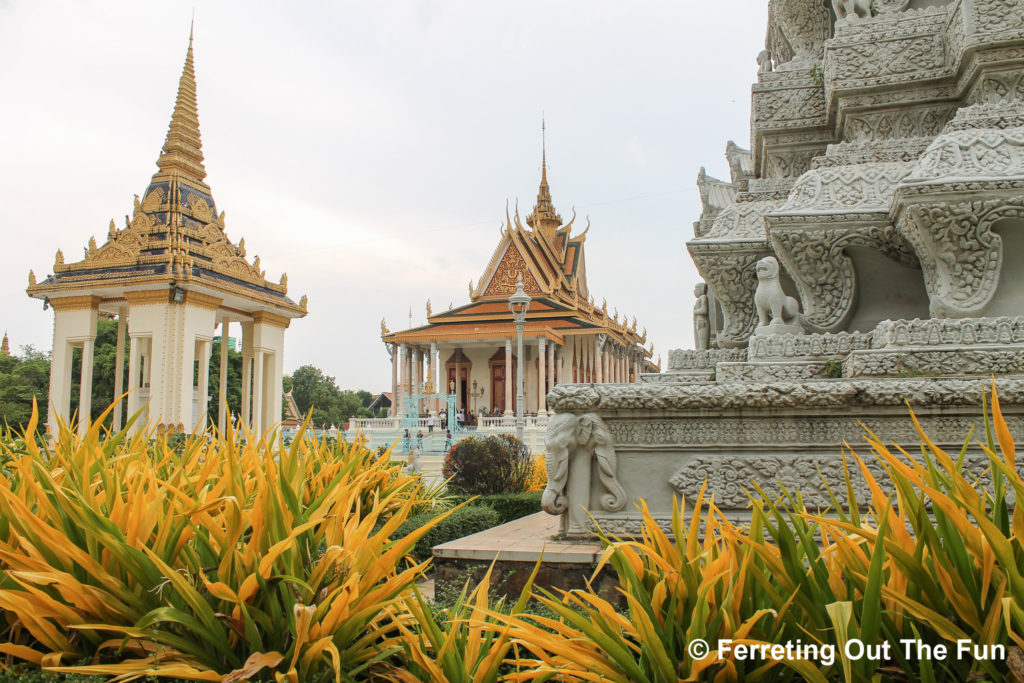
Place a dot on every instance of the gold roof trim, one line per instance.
(149, 296)
(268, 318)
(201, 300)
(73, 303)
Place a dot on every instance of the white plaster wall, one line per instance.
(174, 329)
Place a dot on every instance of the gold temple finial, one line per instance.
(284, 280)
(384, 328)
(470, 289)
(429, 312)
(5, 345)
(112, 233)
(58, 260)
(304, 302)
(544, 218)
(31, 278)
(182, 152)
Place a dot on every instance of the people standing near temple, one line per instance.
(472, 419)
(430, 424)
(419, 439)
(444, 420)
(461, 417)
(406, 441)
(448, 440)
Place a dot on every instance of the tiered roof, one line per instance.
(551, 261)
(175, 235)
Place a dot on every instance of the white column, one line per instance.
(205, 348)
(599, 365)
(393, 410)
(419, 380)
(122, 329)
(247, 372)
(541, 380)
(85, 387)
(509, 409)
(222, 386)
(257, 393)
(551, 364)
(435, 375)
(60, 383)
(403, 377)
(134, 370)
(458, 384)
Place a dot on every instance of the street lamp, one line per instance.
(518, 303)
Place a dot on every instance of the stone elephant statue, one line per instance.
(575, 443)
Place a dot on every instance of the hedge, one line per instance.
(509, 506)
(463, 522)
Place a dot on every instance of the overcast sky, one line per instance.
(368, 149)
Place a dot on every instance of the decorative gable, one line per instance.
(506, 275)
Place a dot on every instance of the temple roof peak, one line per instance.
(544, 218)
(182, 153)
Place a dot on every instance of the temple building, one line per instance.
(567, 337)
(171, 277)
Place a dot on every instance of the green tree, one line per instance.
(311, 388)
(23, 378)
(234, 382)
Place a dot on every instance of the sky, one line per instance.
(368, 149)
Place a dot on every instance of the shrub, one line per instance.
(496, 464)
(509, 506)
(229, 555)
(538, 475)
(461, 522)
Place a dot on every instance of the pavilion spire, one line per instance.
(182, 153)
(544, 217)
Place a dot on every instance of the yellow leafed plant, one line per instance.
(221, 558)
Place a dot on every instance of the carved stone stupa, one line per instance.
(866, 250)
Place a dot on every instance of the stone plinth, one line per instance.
(671, 437)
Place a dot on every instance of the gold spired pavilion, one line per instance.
(171, 277)
(567, 337)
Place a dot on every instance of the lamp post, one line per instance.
(518, 303)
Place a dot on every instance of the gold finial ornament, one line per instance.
(182, 153)
(31, 278)
(304, 302)
(92, 245)
(58, 260)
(544, 219)
(284, 280)
(384, 328)
(112, 233)
(5, 345)
(429, 312)
(470, 289)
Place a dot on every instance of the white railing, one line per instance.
(366, 424)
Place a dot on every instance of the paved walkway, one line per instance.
(521, 540)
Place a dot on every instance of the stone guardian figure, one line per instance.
(777, 313)
(575, 443)
(701, 319)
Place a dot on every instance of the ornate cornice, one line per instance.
(72, 303)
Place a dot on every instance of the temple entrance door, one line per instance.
(497, 367)
(498, 387)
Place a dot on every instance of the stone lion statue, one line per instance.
(579, 439)
(773, 305)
